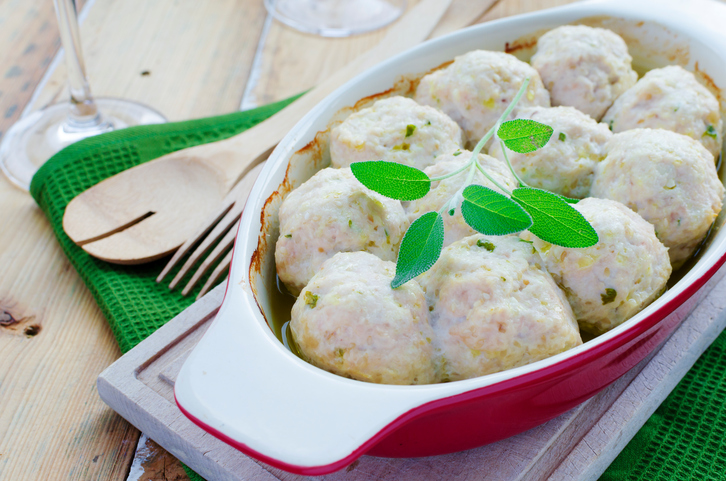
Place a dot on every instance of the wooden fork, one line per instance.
(224, 222)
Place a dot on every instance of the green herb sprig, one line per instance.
(547, 215)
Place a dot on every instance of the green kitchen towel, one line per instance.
(684, 439)
(133, 303)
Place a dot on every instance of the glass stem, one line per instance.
(83, 112)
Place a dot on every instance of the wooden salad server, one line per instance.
(144, 213)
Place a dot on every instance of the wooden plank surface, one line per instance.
(188, 59)
(53, 340)
(577, 445)
(132, 49)
(28, 42)
(53, 425)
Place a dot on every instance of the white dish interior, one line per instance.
(242, 382)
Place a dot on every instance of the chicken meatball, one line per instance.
(395, 129)
(613, 280)
(455, 227)
(350, 322)
(670, 98)
(494, 308)
(566, 164)
(667, 178)
(584, 67)
(330, 213)
(477, 87)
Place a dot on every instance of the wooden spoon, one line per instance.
(144, 213)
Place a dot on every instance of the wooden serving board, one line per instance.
(578, 445)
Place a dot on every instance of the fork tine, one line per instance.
(225, 244)
(192, 241)
(219, 230)
(222, 268)
(233, 204)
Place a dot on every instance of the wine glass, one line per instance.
(336, 18)
(36, 137)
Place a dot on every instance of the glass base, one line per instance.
(36, 138)
(336, 18)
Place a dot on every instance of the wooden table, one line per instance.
(188, 59)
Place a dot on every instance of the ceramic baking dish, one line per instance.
(242, 385)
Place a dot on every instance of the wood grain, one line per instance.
(154, 463)
(290, 62)
(578, 445)
(28, 42)
(188, 59)
(52, 344)
(53, 425)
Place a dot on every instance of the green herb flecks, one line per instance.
(486, 244)
(609, 296)
(311, 299)
(562, 137)
(403, 146)
(711, 132)
(457, 153)
(288, 236)
(410, 129)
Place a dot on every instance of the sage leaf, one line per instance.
(554, 220)
(524, 135)
(492, 213)
(393, 180)
(420, 248)
(570, 200)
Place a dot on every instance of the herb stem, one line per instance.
(453, 202)
(481, 169)
(472, 169)
(515, 101)
(451, 174)
(509, 164)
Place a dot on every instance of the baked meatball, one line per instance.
(566, 164)
(613, 280)
(670, 98)
(494, 308)
(455, 227)
(350, 322)
(477, 87)
(395, 129)
(330, 213)
(667, 178)
(584, 67)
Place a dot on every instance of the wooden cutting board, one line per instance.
(578, 445)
